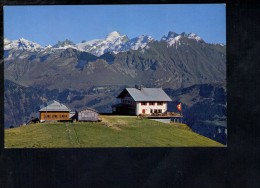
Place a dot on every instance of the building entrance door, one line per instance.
(143, 111)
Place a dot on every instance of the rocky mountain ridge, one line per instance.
(114, 42)
(158, 64)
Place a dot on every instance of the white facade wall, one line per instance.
(148, 107)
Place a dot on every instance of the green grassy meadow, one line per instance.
(113, 131)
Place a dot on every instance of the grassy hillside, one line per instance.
(113, 131)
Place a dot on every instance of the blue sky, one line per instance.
(48, 24)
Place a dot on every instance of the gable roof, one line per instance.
(86, 108)
(145, 94)
(54, 106)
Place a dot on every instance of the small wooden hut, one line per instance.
(88, 114)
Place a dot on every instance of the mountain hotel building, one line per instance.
(139, 100)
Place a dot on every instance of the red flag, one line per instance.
(179, 107)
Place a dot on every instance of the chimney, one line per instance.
(139, 87)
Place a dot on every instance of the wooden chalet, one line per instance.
(54, 111)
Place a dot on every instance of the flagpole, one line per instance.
(181, 114)
(179, 107)
(181, 111)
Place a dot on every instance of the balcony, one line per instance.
(162, 115)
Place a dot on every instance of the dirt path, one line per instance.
(72, 135)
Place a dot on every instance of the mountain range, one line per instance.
(178, 60)
(114, 42)
(93, 73)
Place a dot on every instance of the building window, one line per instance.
(151, 103)
(151, 111)
(159, 110)
(159, 103)
(143, 103)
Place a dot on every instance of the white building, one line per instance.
(138, 101)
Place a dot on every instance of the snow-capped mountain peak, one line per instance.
(48, 46)
(21, 44)
(113, 36)
(6, 41)
(112, 43)
(194, 36)
(65, 43)
(170, 35)
(138, 42)
(173, 38)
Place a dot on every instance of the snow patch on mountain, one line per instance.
(23, 56)
(174, 39)
(195, 37)
(62, 45)
(137, 42)
(66, 47)
(147, 47)
(170, 35)
(48, 46)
